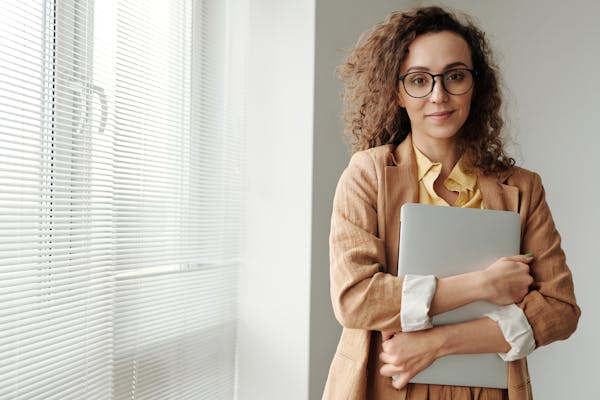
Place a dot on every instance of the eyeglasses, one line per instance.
(455, 81)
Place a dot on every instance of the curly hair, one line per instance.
(372, 114)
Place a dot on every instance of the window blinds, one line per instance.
(120, 198)
(56, 283)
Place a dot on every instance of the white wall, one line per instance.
(275, 279)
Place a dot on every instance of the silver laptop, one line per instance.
(465, 240)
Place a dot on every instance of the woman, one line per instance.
(423, 106)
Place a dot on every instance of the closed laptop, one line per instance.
(446, 241)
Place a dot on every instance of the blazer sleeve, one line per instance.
(550, 306)
(363, 295)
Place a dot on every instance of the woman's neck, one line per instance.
(438, 150)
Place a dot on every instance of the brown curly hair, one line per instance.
(370, 74)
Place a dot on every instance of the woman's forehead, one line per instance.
(437, 50)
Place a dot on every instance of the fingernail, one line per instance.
(529, 255)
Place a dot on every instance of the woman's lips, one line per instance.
(440, 115)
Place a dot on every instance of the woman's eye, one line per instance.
(418, 81)
(455, 76)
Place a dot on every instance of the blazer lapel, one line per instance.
(401, 187)
(496, 195)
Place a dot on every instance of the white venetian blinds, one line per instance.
(120, 198)
(56, 256)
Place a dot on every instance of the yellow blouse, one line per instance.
(465, 184)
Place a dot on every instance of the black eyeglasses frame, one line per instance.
(473, 72)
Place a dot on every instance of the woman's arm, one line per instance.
(504, 282)
(550, 305)
(406, 354)
(363, 295)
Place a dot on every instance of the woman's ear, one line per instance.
(399, 97)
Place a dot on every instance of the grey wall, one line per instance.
(549, 56)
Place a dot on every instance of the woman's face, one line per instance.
(439, 115)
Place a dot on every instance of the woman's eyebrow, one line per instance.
(456, 64)
(447, 67)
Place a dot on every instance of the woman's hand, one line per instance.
(507, 280)
(405, 354)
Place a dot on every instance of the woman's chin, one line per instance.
(437, 134)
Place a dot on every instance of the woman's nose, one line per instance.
(438, 94)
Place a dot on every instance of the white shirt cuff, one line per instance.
(516, 330)
(417, 293)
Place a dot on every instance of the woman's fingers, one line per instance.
(401, 380)
(387, 358)
(390, 370)
(399, 377)
(523, 258)
(408, 353)
(385, 335)
(509, 279)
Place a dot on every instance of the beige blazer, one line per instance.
(365, 291)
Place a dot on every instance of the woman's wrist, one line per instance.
(444, 340)
(472, 337)
(458, 290)
(482, 284)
